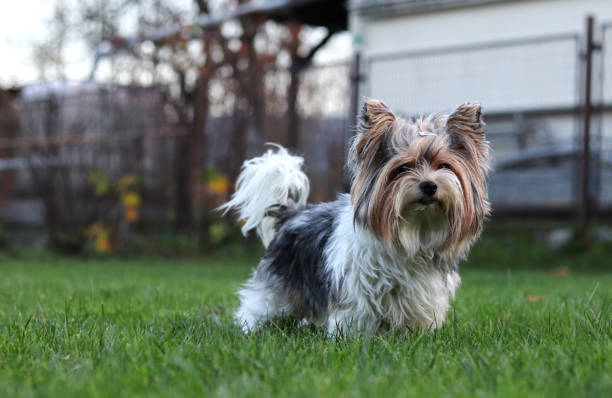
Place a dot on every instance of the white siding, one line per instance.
(533, 74)
(516, 77)
(522, 19)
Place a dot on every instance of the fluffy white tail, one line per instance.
(274, 178)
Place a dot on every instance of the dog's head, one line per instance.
(420, 184)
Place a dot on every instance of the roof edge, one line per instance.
(386, 8)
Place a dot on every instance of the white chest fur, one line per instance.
(375, 285)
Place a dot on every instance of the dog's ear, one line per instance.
(374, 113)
(374, 117)
(374, 123)
(466, 131)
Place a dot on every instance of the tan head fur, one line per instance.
(420, 184)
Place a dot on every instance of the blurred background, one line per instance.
(123, 123)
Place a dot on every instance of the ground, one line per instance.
(110, 327)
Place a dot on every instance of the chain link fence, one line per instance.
(603, 138)
(529, 89)
(81, 151)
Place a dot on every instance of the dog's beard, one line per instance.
(422, 224)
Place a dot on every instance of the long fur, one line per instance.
(275, 178)
(385, 256)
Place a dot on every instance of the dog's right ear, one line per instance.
(374, 123)
(374, 115)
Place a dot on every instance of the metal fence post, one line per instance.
(356, 79)
(585, 209)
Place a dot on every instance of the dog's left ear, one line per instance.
(466, 131)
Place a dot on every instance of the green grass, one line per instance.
(78, 327)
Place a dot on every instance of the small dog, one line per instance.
(384, 257)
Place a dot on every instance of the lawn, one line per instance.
(108, 327)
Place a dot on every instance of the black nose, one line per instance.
(429, 188)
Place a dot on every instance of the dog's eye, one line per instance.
(403, 168)
(443, 166)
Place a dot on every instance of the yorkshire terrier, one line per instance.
(387, 255)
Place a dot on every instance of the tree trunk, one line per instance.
(182, 201)
(197, 138)
(293, 120)
(256, 76)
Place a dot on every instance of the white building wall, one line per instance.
(533, 74)
(507, 78)
(521, 19)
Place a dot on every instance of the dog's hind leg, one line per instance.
(261, 299)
